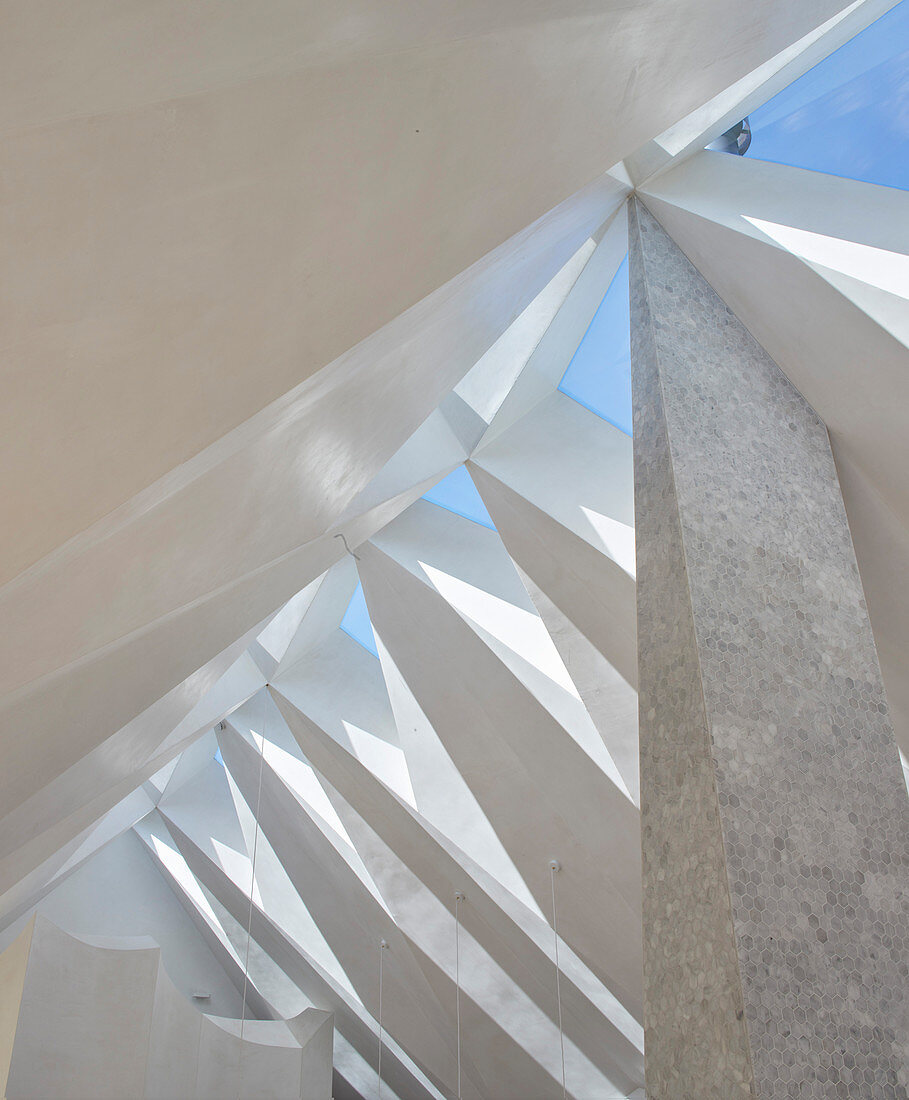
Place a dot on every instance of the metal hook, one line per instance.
(346, 547)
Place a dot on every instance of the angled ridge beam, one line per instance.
(537, 787)
(527, 963)
(349, 915)
(587, 586)
(355, 1025)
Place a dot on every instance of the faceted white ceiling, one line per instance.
(275, 298)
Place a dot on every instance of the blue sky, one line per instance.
(599, 374)
(458, 494)
(849, 115)
(356, 622)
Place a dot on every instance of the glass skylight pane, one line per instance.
(219, 758)
(458, 494)
(599, 374)
(849, 115)
(356, 622)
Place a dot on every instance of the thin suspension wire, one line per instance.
(252, 879)
(553, 867)
(382, 947)
(459, 897)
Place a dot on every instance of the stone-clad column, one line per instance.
(774, 812)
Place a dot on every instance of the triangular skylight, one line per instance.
(599, 374)
(847, 115)
(357, 624)
(458, 494)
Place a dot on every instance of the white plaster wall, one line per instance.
(84, 1019)
(99, 1017)
(119, 892)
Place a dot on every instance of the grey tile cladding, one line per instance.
(774, 811)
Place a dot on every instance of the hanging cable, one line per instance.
(346, 547)
(459, 897)
(554, 866)
(252, 881)
(383, 946)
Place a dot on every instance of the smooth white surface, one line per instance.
(120, 893)
(100, 1017)
(247, 306)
